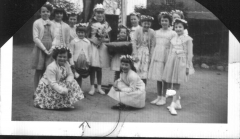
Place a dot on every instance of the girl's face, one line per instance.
(176, 16)
(134, 20)
(58, 16)
(125, 67)
(45, 13)
(146, 25)
(62, 59)
(179, 28)
(72, 20)
(81, 34)
(165, 23)
(99, 15)
(123, 33)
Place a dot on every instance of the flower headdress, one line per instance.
(181, 20)
(126, 57)
(48, 3)
(176, 11)
(146, 18)
(136, 14)
(99, 7)
(82, 25)
(58, 47)
(164, 13)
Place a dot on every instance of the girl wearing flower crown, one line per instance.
(57, 89)
(98, 33)
(159, 57)
(177, 14)
(42, 36)
(81, 49)
(129, 90)
(179, 62)
(143, 44)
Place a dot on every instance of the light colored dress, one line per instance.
(99, 54)
(55, 80)
(61, 33)
(43, 38)
(132, 90)
(132, 31)
(143, 45)
(73, 33)
(179, 59)
(160, 53)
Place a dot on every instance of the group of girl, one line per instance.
(63, 53)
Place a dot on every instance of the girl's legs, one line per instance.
(117, 75)
(38, 75)
(159, 93)
(92, 79)
(172, 108)
(99, 80)
(79, 80)
(162, 90)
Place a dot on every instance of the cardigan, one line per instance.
(53, 75)
(76, 46)
(65, 32)
(137, 40)
(38, 32)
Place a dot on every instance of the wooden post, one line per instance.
(124, 12)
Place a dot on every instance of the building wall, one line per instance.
(192, 5)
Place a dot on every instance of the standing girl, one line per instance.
(98, 30)
(143, 45)
(179, 63)
(160, 53)
(134, 19)
(177, 14)
(123, 35)
(61, 30)
(42, 36)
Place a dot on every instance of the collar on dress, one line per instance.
(46, 22)
(77, 39)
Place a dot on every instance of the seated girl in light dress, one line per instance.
(159, 58)
(57, 89)
(179, 63)
(129, 89)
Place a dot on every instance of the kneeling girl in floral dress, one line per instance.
(129, 90)
(57, 88)
(179, 63)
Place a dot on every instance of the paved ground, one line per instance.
(204, 99)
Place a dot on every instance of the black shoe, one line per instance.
(119, 107)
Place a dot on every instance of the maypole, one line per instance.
(122, 20)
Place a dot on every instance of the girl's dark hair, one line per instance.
(81, 28)
(60, 10)
(127, 60)
(72, 15)
(165, 16)
(56, 52)
(185, 25)
(128, 33)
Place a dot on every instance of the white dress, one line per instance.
(160, 53)
(132, 90)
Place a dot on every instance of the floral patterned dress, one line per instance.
(46, 97)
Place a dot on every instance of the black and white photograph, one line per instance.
(106, 67)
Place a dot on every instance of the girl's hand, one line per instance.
(65, 91)
(47, 52)
(50, 51)
(187, 71)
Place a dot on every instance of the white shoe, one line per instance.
(178, 105)
(100, 90)
(92, 91)
(162, 101)
(171, 109)
(156, 100)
